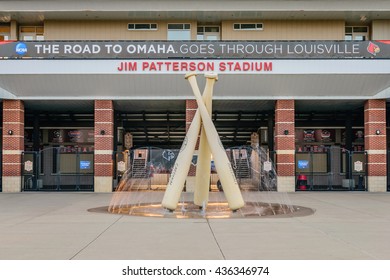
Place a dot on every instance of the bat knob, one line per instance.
(211, 75)
(190, 74)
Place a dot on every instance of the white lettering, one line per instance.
(67, 49)
(170, 49)
(117, 49)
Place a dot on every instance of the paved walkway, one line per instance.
(58, 226)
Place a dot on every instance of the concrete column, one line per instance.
(14, 30)
(191, 107)
(270, 131)
(375, 144)
(285, 144)
(104, 144)
(13, 144)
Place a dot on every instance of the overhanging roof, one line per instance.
(173, 87)
(28, 79)
(201, 10)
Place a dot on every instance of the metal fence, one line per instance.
(58, 169)
(149, 168)
(388, 170)
(333, 169)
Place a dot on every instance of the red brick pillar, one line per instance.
(285, 144)
(13, 144)
(104, 144)
(375, 144)
(191, 107)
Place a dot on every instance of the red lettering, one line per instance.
(237, 67)
(152, 67)
(184, 66)
(210, 66)
(160, 64)
(222, 66)
(192, 66)
(267, 66)
(145, 65)
(246, 66)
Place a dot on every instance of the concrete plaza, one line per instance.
(345, 225)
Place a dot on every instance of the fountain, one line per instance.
(242, 184)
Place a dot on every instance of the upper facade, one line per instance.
(335, 28)
(194, 20)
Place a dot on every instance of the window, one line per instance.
(247, 26)
(356, 33)
(142, 26)
(4, 32)
(208, 33)
(30, 33)
(179, 31)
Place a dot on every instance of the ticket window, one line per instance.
(141, 154)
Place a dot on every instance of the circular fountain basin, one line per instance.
(215, 210)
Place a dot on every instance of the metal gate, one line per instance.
(331, 169)
(151, 165)
(58, 169)
(388, 171)
(1, 172)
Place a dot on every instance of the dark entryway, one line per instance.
(58, 169)
(332, 169)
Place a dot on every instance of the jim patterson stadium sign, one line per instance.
(194, 49)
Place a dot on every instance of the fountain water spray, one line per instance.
(247, 175)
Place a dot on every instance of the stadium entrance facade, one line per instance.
(79, 103)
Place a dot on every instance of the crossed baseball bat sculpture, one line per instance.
(210, 143)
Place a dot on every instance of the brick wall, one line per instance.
(285, 137)
(375, 137)
(104, 141)
(13, 144)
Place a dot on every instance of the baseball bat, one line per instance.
(183, 162)
(203, 166)
(222, 164)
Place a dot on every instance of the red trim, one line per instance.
(7, 42)
(384, 41)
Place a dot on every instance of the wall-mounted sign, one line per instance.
(128, 140)
(28, 165)
(181, 66)
(303, 164)
(121, 166)
(267, 166)
(71, 136)
(168, 155)
(357, 135)
(315, 135)
(85, 164)
(195, 49)
(358, 166)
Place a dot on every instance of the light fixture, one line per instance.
(285, 132)
(10, 132)
(102, 132)
(377, 132)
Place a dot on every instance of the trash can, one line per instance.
(361, 183)
(302, 182)
(39, 184)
